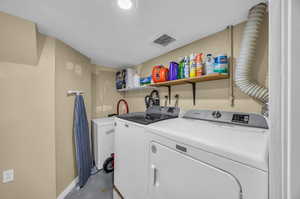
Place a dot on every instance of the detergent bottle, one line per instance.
(192, 65)
(160, 74)
(209, 64)
(181, 68)
(186, 67)
(199, 65)
(221, 64)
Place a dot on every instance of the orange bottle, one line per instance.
(199, 65)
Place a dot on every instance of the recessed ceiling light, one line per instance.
(125, 4)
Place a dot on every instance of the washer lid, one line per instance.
(103, 121)
(241, 144)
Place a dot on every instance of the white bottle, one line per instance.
(209, 64)
(136, 83)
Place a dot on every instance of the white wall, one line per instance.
(294, 109)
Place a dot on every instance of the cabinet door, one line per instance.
(130, 175)
(176, 176)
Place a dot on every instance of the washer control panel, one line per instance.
(243, 119)
(166, 110)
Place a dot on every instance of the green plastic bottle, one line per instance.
(181, 69)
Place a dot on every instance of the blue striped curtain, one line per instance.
(82, 141)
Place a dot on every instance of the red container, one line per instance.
(160, 74)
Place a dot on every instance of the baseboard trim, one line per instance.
(68, 189)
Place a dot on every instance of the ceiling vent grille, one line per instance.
(164, 40)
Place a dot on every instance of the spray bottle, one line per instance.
(192, 65)
(186, 67)
(199, 65)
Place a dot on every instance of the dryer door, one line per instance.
(175, 175)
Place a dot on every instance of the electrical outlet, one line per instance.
(8, 176)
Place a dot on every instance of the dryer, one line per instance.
(209, 154)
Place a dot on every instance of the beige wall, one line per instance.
(36, 135)
(72, 72)
(104, 95)
(18, 39)
(27, 142)
(215, 94)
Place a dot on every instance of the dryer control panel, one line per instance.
(243, 119)
(240, 118)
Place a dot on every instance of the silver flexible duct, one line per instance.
(247, 56)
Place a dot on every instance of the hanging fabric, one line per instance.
(82, 141)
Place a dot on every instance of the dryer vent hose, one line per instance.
(247, 55)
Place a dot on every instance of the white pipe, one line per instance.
(247, 55)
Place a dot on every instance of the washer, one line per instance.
(209, 154)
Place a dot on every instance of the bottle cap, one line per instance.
(199, 57)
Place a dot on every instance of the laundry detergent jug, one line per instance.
(160, 74)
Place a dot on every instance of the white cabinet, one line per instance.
(131, 162)
(174, 175)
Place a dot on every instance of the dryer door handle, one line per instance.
(155, 176)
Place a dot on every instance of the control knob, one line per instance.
(216, 114)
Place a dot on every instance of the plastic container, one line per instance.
(192, 65)
(160, 74)
(209, 64)
(199, 65)
(173, 71)
(145, 80)
(181, 69)
(121, 79)
(221, 64)
(186, 67)
(136, 81)
(130, 80)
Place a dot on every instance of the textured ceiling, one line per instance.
(113, 37)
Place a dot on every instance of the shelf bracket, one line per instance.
(194, 92)
(192, 81)
(169, 92)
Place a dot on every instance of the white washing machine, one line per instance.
(209, 154)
